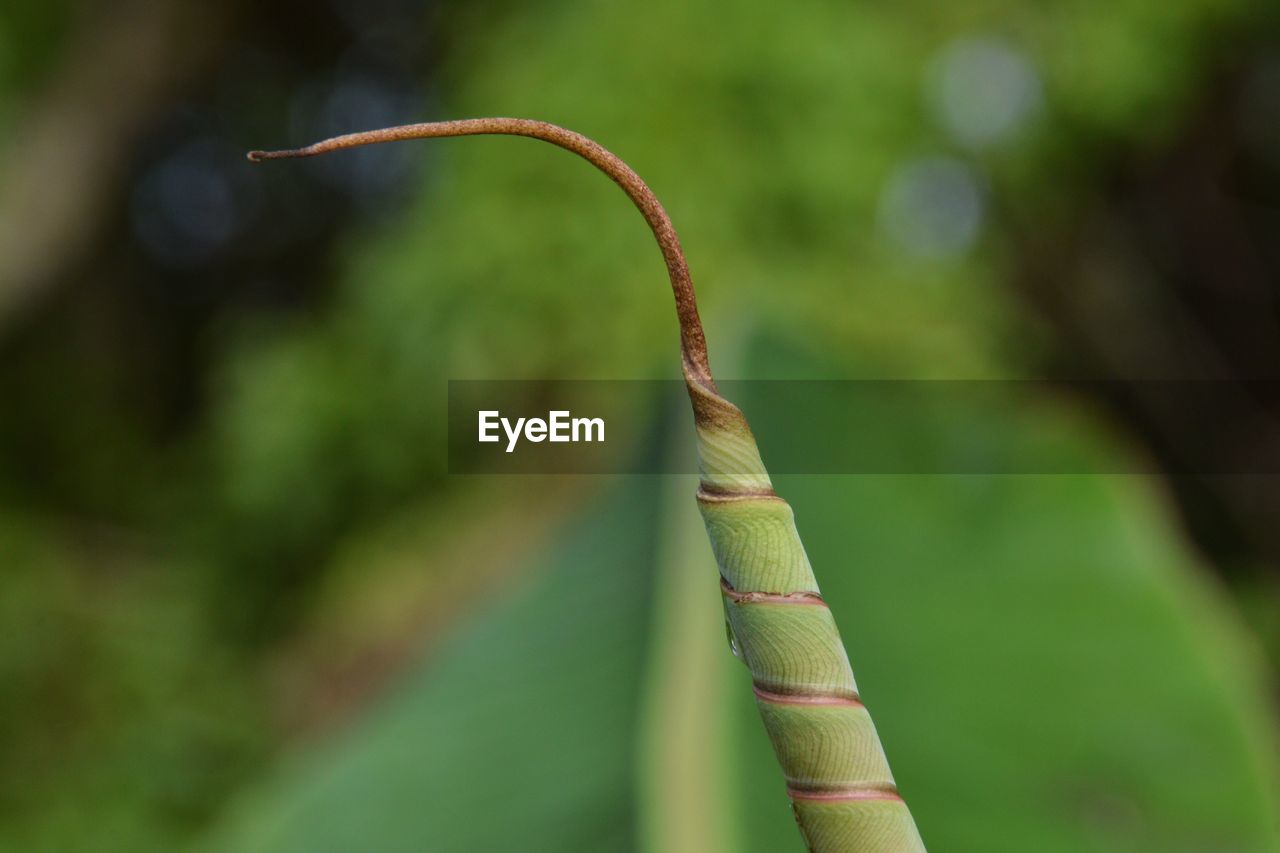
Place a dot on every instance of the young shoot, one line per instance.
(842, 792)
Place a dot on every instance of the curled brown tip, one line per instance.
(692, 342)
(259, 156)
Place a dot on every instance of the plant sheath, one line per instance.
(838, 779)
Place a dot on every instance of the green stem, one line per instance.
(841, 790)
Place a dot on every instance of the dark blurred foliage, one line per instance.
(217, 415)
(115, 312)
(191, 239)
(1172, 271)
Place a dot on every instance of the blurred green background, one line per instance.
(244, 607)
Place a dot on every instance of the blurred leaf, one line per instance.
(1046, 665)
(1047, 669)
(518, 737)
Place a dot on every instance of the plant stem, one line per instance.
(838, 779)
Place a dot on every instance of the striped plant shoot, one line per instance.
(843, 794)
(838, 779)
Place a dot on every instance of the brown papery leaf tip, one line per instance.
(692, 342)
(259, 156)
